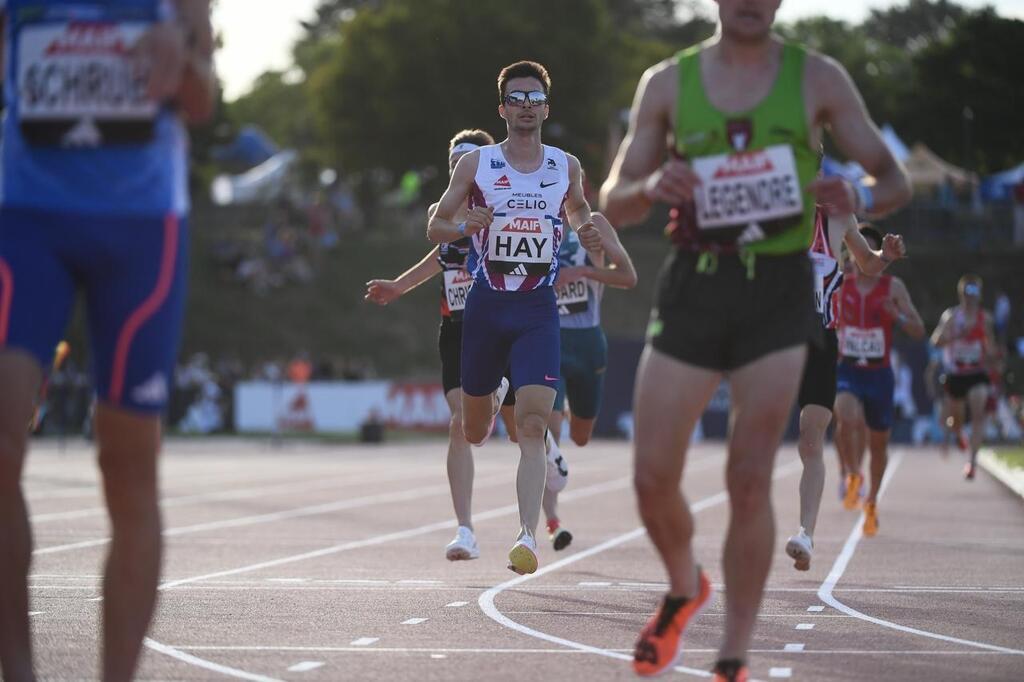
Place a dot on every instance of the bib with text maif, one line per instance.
(747, 188)
(84, 73)
(866, 344)
(571, 296)
(456, 288)
(521, 245)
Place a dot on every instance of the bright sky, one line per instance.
(256, 41)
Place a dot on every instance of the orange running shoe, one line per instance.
(730, 671)
(852, 499)
(660, 643)
(870, 519)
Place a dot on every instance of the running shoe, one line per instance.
(558, 468)
(659, 646)
(560, 537)
(969, 470)
(522, 558)
(870, 519)
(730, 671)
(799, 548)
(853, 491)
(463, 547)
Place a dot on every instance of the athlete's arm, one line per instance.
(618, 272)
(638, 178)
(576, 206)
(940, 337)
(384, 291)
(442, 227)
(840, 108)
(197, 92)
(871, 262)
(992, 349)
(906, 314)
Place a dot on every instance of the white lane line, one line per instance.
(420, 582)
(305, 666)
(456, 604)
(780, 672)
(206, 665)
(597, 489)
(425, 650)
(414, 621)
(590, 583)
(793, 647)
(299, 512)
(438, 656)
(286, 580)
(486, 600)
(825, 592)
(362, 641)
(816, 609)
(804, 626)
(35, 613)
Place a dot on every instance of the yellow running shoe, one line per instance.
(870, 519)
(852, 499)
(522, 558)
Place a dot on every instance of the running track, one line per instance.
(309, 562)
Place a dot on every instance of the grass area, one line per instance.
(1013, 457)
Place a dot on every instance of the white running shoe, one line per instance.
(522, 558)
(558, 468)
(799, 548)
(463, 547)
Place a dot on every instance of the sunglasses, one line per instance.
(519, 98)
(972, 290)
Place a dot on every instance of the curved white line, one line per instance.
(202, 663)
(843, 560)
(486, 600)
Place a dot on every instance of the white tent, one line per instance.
(927, 169)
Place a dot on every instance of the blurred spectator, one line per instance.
(1001, 317)
(300, 370)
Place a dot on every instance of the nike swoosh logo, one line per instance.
(543, 186)
(547, 378)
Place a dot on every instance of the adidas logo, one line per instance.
(519, 271)
(153, 391)
(502, 183)
(84, 134)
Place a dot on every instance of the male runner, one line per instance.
(511, 319)
(965, 336)
(450, 260)
(818, 389)
(94, 196)
(743, 113)
(868, 307)
(582, 277)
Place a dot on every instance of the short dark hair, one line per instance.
(871, 232)
(480, 138)
(523, 69)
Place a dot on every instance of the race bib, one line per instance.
(824, 266)
(966, 352)
(868, 344)
(456, 287)
(572, 297)
(747, 187)
(81, 72)
(522, 241)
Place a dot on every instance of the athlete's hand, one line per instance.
(836, 195)
(382, 291)
(570, 273)
(590, 237)
(479, 219)
(893, 248)
(671, 184)
(161, 53)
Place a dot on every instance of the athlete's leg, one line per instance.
(878, 443)
(477, 413)
(763, 393)
(460, 462)
(849, 415)
(670, 398)
(976, 399)
(128, 448)
(814, 420)
(20, 377)
(533, 407)
(580, 429)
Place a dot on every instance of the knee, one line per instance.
(531, 425)
(475, 434)
(652, 487)
(579, 435)
(749, 489)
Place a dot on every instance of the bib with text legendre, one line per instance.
(747, 188)
(456, 287)
(866, 344)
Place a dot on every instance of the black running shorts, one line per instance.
(819, 383)
(959, 385)
(733, 312)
